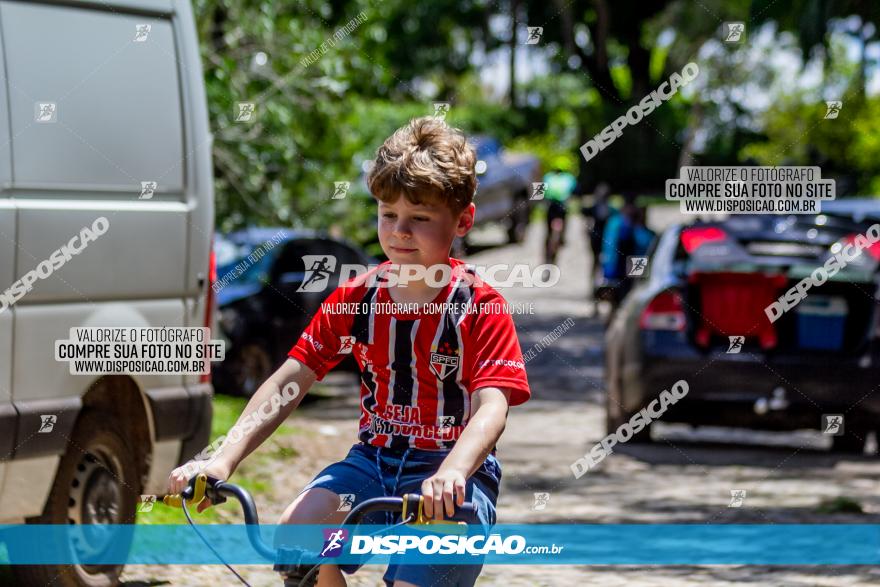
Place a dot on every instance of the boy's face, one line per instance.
(420, 233)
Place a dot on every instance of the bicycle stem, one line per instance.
(251, 518)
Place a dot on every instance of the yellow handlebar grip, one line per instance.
(176, 500)
(450, 526)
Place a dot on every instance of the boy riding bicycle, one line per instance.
(439, 359)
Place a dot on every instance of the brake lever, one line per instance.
(212, 490)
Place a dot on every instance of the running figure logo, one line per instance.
(318, 269)
(46, 112)
(736, 343)
(637, 266)
(441, 109)
(146, 503)
(538, 188)
(334, 541)
(140, 32)
(535, 33)
(246, 111)
(832, 424)
(832, 108)
(447, 422)
(541, 500)
(346, 501)
(737, 497)
(47, 423)
(733, 31)
(148, 188)
(346, 345)
(340, 189)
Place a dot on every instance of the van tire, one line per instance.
(99, 468)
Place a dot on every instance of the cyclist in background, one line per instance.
(559, 185)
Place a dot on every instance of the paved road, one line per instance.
(685, 478)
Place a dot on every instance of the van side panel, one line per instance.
(116, 102)
(8, 419)
(199, 173)
(125, 113)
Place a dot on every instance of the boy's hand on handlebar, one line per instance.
(178, 479)
(442, 492)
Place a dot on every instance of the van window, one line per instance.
(117, 114)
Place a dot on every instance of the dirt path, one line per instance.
(684, 478)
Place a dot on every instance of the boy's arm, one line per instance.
(447, 486)
(270, 405)
(288, 385)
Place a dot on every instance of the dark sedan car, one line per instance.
(504, 187)
(709, 311)
(262, 310)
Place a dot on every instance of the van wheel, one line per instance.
(97, 483)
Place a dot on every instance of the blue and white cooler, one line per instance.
(820, 322)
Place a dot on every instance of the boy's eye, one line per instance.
(388, 215)
(422, 218)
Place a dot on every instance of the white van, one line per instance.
(103, 115)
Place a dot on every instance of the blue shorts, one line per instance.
(358, 474)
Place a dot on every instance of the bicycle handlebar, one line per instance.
(410, 506)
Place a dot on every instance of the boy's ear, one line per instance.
(466, 220)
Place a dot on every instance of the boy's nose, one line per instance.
(402, 229)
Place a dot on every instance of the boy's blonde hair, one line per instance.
(427, 162)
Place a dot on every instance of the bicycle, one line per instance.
(612, 291)
(554, 240)
(201, 486)
(555, 231)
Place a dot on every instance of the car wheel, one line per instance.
(251, 368)
(518, 221)
(615, 416)
(97, 483)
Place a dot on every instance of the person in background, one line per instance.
(625, 235)
(559, 185)
(598, 215)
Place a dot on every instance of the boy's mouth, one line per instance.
(402, 250)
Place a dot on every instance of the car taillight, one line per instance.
(209, 301)
(694, 238)
(664, 312)
(873, 250)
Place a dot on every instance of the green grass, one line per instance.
(840, 505)
(226, 411)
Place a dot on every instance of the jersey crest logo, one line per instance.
(444, 363)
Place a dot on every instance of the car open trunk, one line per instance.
(836, 317)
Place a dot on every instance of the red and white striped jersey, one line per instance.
(418, 368)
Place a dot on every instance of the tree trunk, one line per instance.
(514, 7)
